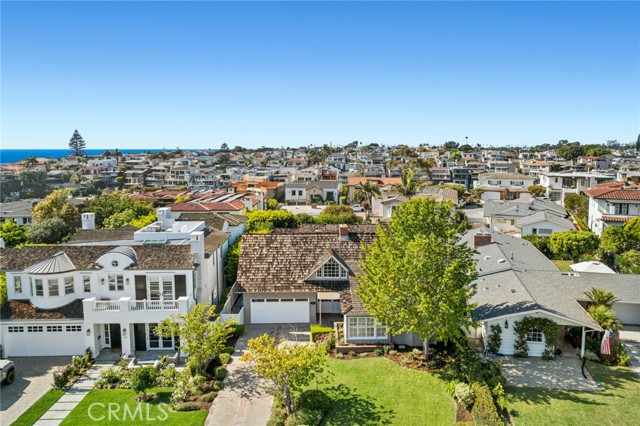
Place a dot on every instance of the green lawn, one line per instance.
(40, 407)
(618, 404)
(563, 265)
(375, 391)
(148, 414)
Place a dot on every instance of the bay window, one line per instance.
(365, 328)
(53, 287)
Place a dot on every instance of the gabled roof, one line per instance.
(55, 264)
(331, 254)
(545, 216)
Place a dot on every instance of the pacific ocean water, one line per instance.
(9, 156)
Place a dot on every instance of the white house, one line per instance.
(307, 192)
(535, 217)
(504, 186)
(612, 204)
(108, 291)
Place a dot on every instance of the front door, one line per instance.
(140, 336)
(114, 332)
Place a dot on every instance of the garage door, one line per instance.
(330, 306)
(268, 311)
(42, 340)
(627, 313)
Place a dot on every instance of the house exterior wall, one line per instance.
(509, 336)
(544, 225)
(627, 313)
(47, 342)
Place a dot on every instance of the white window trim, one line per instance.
(375, 331)
(344, 272)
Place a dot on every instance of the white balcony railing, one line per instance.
(106, 305)
(153, 305)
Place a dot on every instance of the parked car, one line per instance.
(7, 371)
(357, 208)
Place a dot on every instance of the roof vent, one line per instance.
(501, 261)
(513, 290)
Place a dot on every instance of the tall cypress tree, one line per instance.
(77, 144)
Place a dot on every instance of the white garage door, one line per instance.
(268, 311)
(490, 195)
(42, 340)
(627, 313)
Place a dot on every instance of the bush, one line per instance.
(143, 378)
(187, 406)
(197, 382)
(168, 377)
(238, 330)
(392, 352)
(179, 393)
(387, 348)
(484, 410)
(209, 397)
(310, 408)
(464, 394)
(450, 387)
(278, 415)
(62, 377)
(340, 355)
(620, 355)
(221, 373)
(363, 354)
(217, 386)
(352, 353)
(495, 339)
(377, 352)
(224, 359)
(229, 350)
(317, 330)
(110, 378)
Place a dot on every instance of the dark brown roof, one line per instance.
(214, 220)
(92, 235)
(280, 262)
(23, 309)
(84, 257)
(214, 240)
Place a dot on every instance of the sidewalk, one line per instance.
(76, 393)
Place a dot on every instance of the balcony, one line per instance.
(133, 310)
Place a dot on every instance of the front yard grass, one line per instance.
(40, 407)
(563, 265)
(150, 414)
(374, 391)
(618, 404)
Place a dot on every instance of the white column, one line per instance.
(583, 342)
(126, 333)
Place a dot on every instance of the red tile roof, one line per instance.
(616, 218)
(614, 192)
(357, 180)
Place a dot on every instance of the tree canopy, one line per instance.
(537, 190)
(48, 231)
(264, 221)
(119, 204)
(577, 205)
(410, 183)
(417, 277)
(77, 144)
(57, 204)
(13, 234)
(573, 244)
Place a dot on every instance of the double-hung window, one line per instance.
(54, 287)
(68, 285)
(39, 287)
(534, 335)
(86, 283)
(622, 208)
(116, 282)
(17, 284)
(365, 328)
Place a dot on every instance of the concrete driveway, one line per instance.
(564, 372)
(34, 376)
(630, 337)
(244, 401)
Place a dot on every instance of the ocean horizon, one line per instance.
(11, 156)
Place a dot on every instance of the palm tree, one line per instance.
(601, 297)
(410, 183)
(365, 192)
(604, 316)
(31, 162)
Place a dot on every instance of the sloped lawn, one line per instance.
(96, 404)
(376, 391)
(617, 405)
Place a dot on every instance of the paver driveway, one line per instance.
(34, 376)
(243, 401)
(630, 337)
(564, 372)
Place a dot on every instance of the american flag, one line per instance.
(605, 346)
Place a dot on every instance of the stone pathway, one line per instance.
(76, 393)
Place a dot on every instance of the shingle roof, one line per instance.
(280, 262)
(545, 216)
(84, 257)
(23, 309)
(321, 184)
(91, 235)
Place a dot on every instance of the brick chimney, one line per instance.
(343, 231)
(481, 240)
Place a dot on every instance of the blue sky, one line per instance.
(194, 75)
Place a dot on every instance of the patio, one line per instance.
(564, 372)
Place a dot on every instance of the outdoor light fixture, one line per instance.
(506, 324)
(88, 332)
(124, 332)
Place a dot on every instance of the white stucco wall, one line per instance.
(509, 336)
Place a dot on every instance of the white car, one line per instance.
(7, 371)
(357, 208)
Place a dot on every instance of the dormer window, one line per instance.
(331, 269)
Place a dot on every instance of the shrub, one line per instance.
(548, 354)
(340, 355)
(110, 378)
(278, 415)
(197, 382)
(209, 397)
(499, 397)
(310, 408)
(352, 353)
(187, 406)
(620, 355)
(221, 373)
(179, 393)
(318, 330)
(377, 352)
(363, 355)
(224, 359)
(228, 350)
(217, 386)
(484, 410)
(168, 377)
(393, 352)
(495, 339)
(238, 330)
(450, 387)
(387, 348)
(62, 377)
(464, 394)
(143, 378)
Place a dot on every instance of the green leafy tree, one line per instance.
(450, 145)
(577, 205)
(366, 192)
(3, 288)
(119, 219)
(12, 234)
(77, 144)
(466, 148)
(143, 378)
(261, 220)
(47, 231)
(32, 183)
(339, 214)
(30, 162)
(617, 240)
(633, 228)
(224, 147)
(597, 151)
(573, 244)
(286, 367)
(604, 316)
(410, 184)
(572, 151)
(417, 278)
(272, 204)
(107, 205)
(460, 189)
(537, 190)
(629, 262)
(541, 243)
(231, 262)
(57, 204)
(203, 334)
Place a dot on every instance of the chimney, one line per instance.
(248, 202)
(481, 240)
(88, 221)
(164, 217)
(343, 232)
